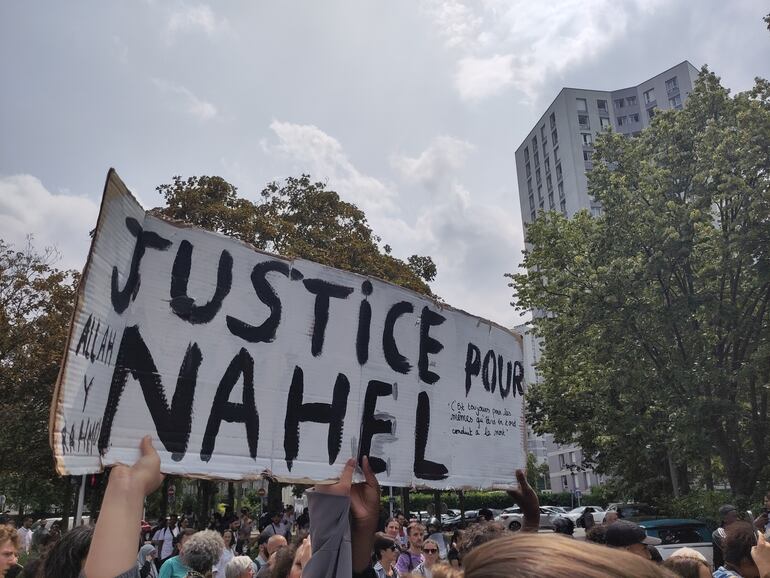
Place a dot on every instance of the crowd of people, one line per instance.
(340, 535)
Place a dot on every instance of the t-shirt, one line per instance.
(25, 537)
(173, 568)
(167, 535)
(408, 562)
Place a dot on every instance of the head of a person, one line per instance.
(173, 519)
(202, 551)
(275, 517)
(262, 545)
(478, 534)
(147, 553)
(235, 524)
(486, 514)
(597, 534)
(282, 562)
(610, 517)
(736, 547)
(531, 555)
(67, 556)
(415, 533)
(9, 548)
(563, 525)
(627, 535)
(434, 526)
(289, 510)
(728, 514)
(430, 552)
(393, 528)
(245, 512)
(688, 567)
(385, 548)
(401, 518)
(275, 543)
(27, 522)
(239, 567)
(227, 536)
(184, 522)
(183, 536)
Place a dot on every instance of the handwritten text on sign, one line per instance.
(240, 362)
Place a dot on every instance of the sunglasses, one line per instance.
(394, 548)
(430, 550)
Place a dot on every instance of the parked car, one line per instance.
(633, 510)
(471, 516)
(576, 515)
(513, 518)
(557, 509)
(678, 533)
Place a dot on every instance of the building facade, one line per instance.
(552, 161)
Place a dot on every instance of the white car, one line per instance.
(576, 514)
(513, 518)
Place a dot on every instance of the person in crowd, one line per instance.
(597, 534)
(201, 552)
(25, 534)
(728, 515)
(610, 517)
(386, 551)
(163, 540)
(393, 529)
(65, 558)
(9, 551)
(435, 534)
(145, 561)
(228, 553)
(655, 555)
(587, 519)
(453, 555)
(687, 567)
(275, 528)
(282, 563)
(486, 515)
(762, 522)
(563, 525)
(262, 556)
(174, 567)
(303, 521)
(627, 535)
(430, 553)
(288, 518)
(412, 557)
(737, 548)
(238, 567)
(274, 544)
(403, 540)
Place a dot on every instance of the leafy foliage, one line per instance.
(294, 218)
(656, 340)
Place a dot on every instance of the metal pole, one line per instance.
(81, 498)
(390, 500)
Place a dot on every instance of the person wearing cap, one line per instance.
(630, 536)
(728, 515)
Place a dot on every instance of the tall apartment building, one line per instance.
(551, 167)
(552, 161)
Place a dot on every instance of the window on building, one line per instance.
(621, 120)
(537, 159)
(649, 96)
(585, 480)
(540, 195)
(532, 216)
(542, 132)
(526, 154)
(563, 207)
(619, 103)
(672, 85)
(547, 165)
(601, 105)
(675, 101)
(631, 100)
(560, 186)
(552, 119)
(562, 463)
(538, 178)
(564, 483)
(529, 170)
(633, 117)
(558, 172)
(531, 202)
(651, 112)
(583, 122)
(605, 122)
(582, 105)
(587, 138)
(556, 154)
(554, 136)
(549, 183)
(550, 202)
(534, 143)
(529, 186)
(586, 155)
(545, 148)
(542, 205)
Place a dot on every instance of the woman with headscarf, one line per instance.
(145, 561)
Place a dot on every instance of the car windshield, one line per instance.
(577, 510)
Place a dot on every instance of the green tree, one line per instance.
(36, 303)
(294, 218)
(656, 339)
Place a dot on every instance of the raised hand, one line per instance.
(526, 498)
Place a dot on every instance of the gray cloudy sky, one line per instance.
(410, 109)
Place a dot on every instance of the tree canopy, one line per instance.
(655, 316)
(294, 218)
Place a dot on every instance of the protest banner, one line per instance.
(239, 362)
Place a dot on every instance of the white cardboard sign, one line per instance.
(241, 363)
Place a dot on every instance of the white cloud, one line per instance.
(445, 155)
(479, 78)
(55, 220)
(323, 157)
(194, 106)
(522, 44)
(198, 18)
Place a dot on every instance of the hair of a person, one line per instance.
(478, 534)
(393, 519)
(412, 526)
(202, 551)
(596, 534)
(655, 554)
(530, 555)
(563, 525)
(443, 570)
(284, 560)
(65, 559)
(237, 566)
(429, 541)
(382, 542)
(738, 542)
(685, 567)
(8, 533)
